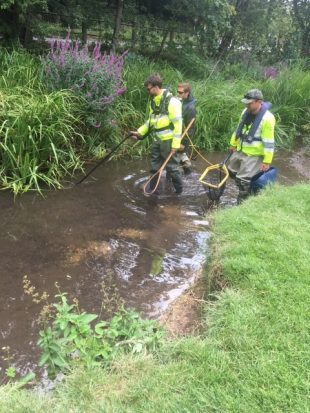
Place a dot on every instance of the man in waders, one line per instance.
(252, 143)
(184, 92)
(165, 120)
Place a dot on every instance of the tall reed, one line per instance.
(38, 130)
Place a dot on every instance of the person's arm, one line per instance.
(142, 130)
(267, 135)
(175, 116)
(191, 114)
(233, 142)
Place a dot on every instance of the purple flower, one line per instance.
(271, 72)
(95, 76)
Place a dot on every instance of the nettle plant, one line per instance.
(95, 77)
(72, 337)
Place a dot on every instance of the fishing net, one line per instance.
(214, 180)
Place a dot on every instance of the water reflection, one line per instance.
(99, 237)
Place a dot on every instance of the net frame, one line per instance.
(214, 179)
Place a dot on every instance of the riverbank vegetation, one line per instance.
(253, 354)
(46, 131)
(67, 101)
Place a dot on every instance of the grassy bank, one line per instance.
(254, 355)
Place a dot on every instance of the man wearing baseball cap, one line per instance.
(252, 143)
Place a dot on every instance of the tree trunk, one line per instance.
(305, 43)
(27, 35)
(11, 24)
(117, 27)
(134, 34)
(227, 39)
(304, 27)
(84, 32)
(162, 45)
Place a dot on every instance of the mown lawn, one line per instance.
(254, 355)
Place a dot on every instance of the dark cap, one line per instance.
(253, 94)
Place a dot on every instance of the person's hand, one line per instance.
(232, 149)
(264, 167)
(181, 148)
(173, 151)
(135, 134)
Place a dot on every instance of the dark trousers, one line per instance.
(159, 153)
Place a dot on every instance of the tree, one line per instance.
(117, 26)
(301, 9)
(16, 19)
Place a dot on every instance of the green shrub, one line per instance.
(70, 338)
(37, 138)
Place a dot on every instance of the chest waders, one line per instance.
(245, 185)
(250, 136)
(152, 183)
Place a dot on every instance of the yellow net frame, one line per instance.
(222, 170)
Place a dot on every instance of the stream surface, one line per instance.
(101, 241)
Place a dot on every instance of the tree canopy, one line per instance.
(275, 29)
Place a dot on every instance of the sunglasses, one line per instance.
(180, 92)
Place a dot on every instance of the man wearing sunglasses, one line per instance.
(252, 143)
(165, 121)
(184, 92)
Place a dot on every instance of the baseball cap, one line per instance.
(253, 94)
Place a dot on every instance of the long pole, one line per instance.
(105, 158)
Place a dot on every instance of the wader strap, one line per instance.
(250, 137)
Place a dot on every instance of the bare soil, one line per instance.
(184, 316)
(300, 160)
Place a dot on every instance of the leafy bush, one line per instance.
(188, 60)
(95, 77)
(38, 138)
(70, 337)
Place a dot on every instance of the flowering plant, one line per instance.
(94, 76)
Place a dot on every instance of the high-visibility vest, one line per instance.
(165, 119)
(256, 139)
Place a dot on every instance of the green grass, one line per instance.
(254, 355)
(39, 139)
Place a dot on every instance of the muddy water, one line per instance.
(100, 241)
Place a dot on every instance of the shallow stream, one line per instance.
(104, 240)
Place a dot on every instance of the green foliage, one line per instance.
(37, 133)
(10, 372)
(218, 111)
(93, 76)
(71, 339)
(39, 142)
(188, 61)
(218, 99)
(290, 96)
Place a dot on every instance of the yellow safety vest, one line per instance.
(165, 125)
(263, 142)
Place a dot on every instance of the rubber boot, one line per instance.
(187, 170)
(168, 176)
(244, 190)
(177, 183)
